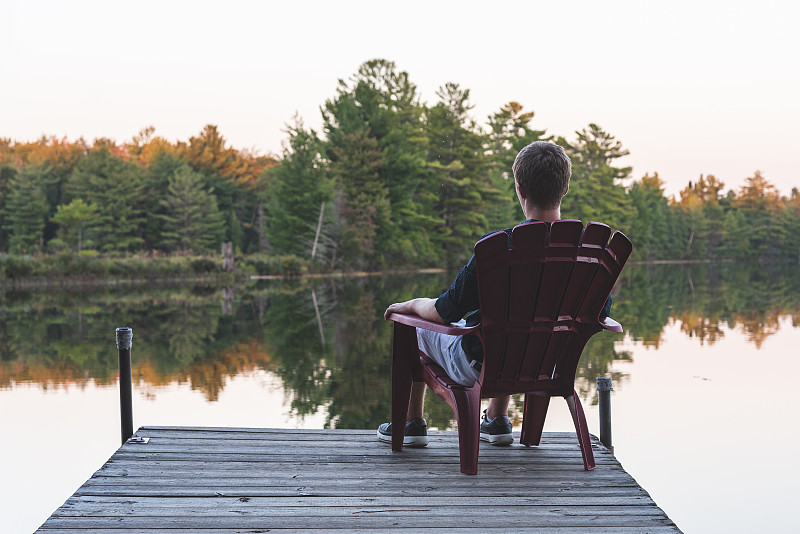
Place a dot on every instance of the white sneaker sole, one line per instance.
(408, 441)
(499, 439)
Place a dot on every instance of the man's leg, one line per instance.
(496, 427)
(416, 432)
(447, 352)
(417, 400)
(497, 406)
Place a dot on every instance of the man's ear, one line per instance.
(520, 190)
(566, 190)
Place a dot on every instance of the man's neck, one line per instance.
(540, 214)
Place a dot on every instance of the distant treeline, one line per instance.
(390, 181)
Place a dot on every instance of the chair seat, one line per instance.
(436, 372)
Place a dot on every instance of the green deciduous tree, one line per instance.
(72, 218)
(209, 153)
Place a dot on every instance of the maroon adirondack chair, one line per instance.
(540, 298)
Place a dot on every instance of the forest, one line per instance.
(389, 181)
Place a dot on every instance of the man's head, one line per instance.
(542, 171)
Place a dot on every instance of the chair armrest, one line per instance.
(418, 322)
(610, 324)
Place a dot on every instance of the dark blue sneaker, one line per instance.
(416, 433)
(496, 431)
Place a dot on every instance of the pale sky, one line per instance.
(688, 87)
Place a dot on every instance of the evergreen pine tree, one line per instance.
(458, 185)
(363, 201)
(791, 224)
(509, 133)
(736, 239)
(382, 101)
(596, 192)
(115, 188)
(709, 189)
(227, 173)
(26, 210)
(648, 227)
(162, 167)
(7, 172)
(760, 204)
(59, 157)
(72, 218)
(192, 221)
(299, 185)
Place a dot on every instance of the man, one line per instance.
(541, 176)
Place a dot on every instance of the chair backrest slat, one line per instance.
(537, 343)
(562, 249)
(491, 256)
(592, 249)
(525, 274)
(551, 353)
(610, 264)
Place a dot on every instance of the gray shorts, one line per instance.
(447, 352)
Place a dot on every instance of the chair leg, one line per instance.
(467, 408)
(533, 415)
(404, 348)
(579, 418)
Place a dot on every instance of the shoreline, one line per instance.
(218, 279)
(224, 279)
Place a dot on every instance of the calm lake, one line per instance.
(699, 418)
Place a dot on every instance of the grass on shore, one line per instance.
(90, 264)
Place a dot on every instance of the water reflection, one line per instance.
(749, 297)
(326, 339)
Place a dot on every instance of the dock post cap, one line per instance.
(604, 384)
(124, 338)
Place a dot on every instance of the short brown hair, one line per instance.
(543, 169)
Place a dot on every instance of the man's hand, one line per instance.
(424, 307)
(398, 307)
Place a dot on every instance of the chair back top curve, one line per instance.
(541, 293)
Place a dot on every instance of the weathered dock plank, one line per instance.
(223, 481)
(405, 520)
(101, 502)
(442, 530)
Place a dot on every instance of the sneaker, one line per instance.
(496, 431)
(416, 433)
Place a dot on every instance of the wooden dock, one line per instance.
(227, 480)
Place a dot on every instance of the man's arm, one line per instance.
(424, 307)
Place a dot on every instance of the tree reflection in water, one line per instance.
(327, 341)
